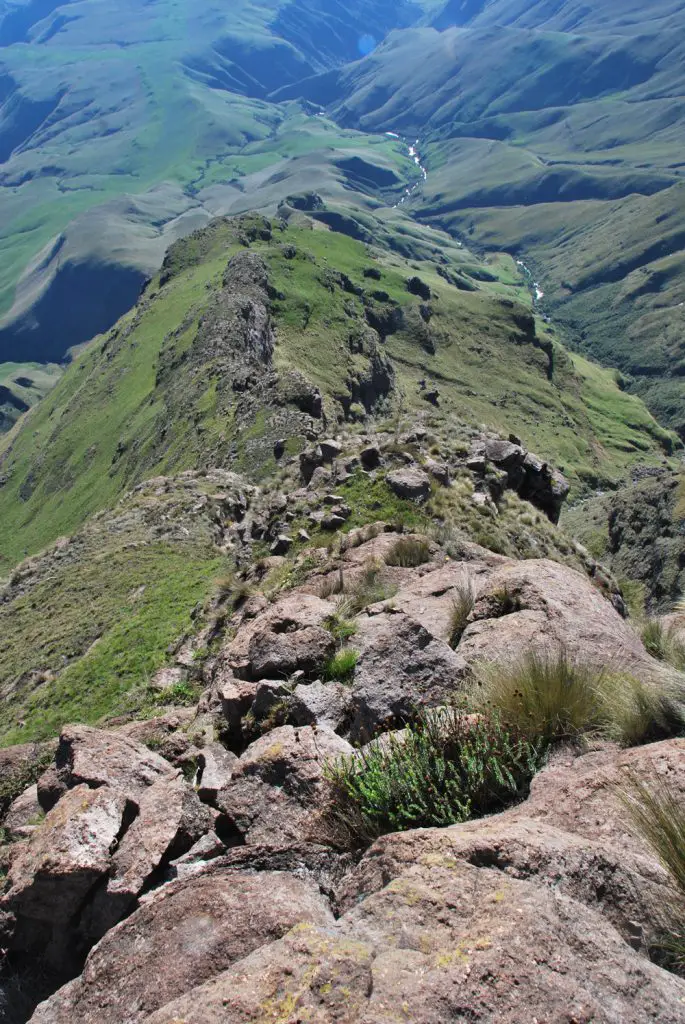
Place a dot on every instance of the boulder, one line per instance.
(401, 666)
(272, 796)
(320, 703)
(330, 450)
(24, 814)
(442, 940)
(53, 873)
(170, 820)
(439, 471)
(282, 544)
(549, 607)
(410, 482)
(370, 457)
(215, 769)
(183, 935)
(282, 653)
(98, 758)
(310, 460)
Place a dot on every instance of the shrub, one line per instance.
(556, 698)
(664, 643)
(370, 588)
(441, 770)
(331, 585)
(462, 606)
(341, 667)
(658, 816)
(409, 552)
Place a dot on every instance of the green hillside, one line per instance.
(554, 132)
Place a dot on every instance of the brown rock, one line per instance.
(24, 814)
(184, 934)
(52, 874)
(401, 666)
(273, 793)
(282, 653)
(410, 482)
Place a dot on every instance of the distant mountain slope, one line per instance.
(553, 130)
(221, 361)
(99, 101)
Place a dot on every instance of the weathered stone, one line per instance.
(272, 797)
(214, 771)
(169, 821)
(310, 460)
(279, 654)
(410, 482)
(370, 457)
(439, 471)
(321, 704)
(330, 450)
(52, 874)
(282, 544)
(401, 666)
(185, 934)
(24, 814)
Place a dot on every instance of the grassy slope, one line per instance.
(554, 131)
(96, 434)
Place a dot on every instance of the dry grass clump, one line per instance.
(664, 643)
(657, 814)
(462, 605)
(369, 588)
(559, 698)
(409, 552)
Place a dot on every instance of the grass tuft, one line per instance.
(409, 552)
(658, 816)
(462, 606)
(341, 666)
(369, 589)
(557, 698)
(664, 643)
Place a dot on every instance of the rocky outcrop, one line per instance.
(183, 935)
(527, 474)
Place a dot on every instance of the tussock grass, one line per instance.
(664, 643)
(409, 552)
(369, 589)
(558, 698)
(657, 814)
(341, 667)
(462, 605)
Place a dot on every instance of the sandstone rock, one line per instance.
(445, 940)
(550, 607)
(168, 677)
(321, 704)
(215, 770)
(186, 933)
(99, 758)
(401, 666)
(410, 482)
(282, 653)
(236, 696)
(169, 821)
(24, 814)
(276, 783)
(52, 874)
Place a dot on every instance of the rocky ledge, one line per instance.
(181, 869)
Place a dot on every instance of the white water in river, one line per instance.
(415, 155)
(538, 293)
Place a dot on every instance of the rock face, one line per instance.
(276, 783)
(182, 936)
(527, 474)
(410, 482)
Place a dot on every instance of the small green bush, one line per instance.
(341, 667)
(658, 817)
(340, 629)
(409, 552)
(462, 606)
(664, 643)
(443, 769)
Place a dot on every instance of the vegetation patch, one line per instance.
(444, 768)
(409, 552)
(556, 698)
